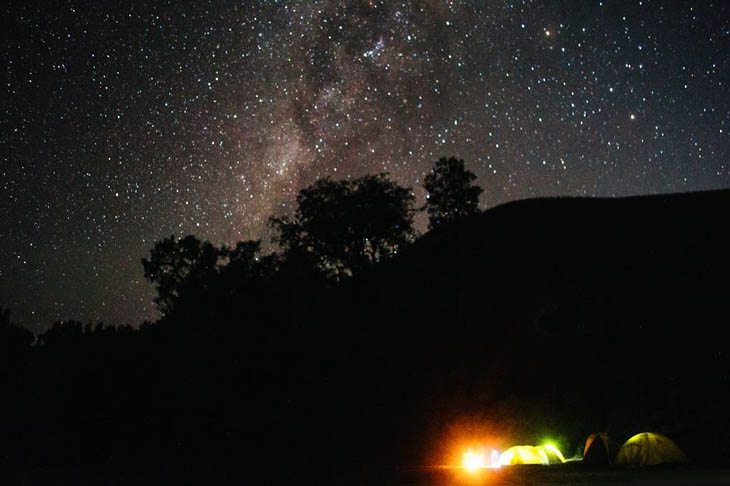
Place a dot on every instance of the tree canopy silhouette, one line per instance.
(14, 338)
(450, 192)
(176, 266)
(343, 227)
(244, 266)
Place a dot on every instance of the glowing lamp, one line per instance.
(473, 461)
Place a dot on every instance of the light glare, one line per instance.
(473, 461)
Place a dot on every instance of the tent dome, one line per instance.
(597, 450)
(520, 455)
(547, 454)
(649, 449)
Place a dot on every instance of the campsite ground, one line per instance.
(577, 476)
(571, 475)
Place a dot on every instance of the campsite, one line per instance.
(571, 475)
(365, 242)
(565, 475)
(557, 351)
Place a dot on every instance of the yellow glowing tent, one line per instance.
(597, 450)
(550, 454)
(547, 454)
(520, 455)
(649, 449)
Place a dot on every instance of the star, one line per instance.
(121, 127)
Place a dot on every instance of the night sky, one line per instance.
(125, 122)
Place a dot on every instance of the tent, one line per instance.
(550, 454)
(649, 449)
(520, 455)
(597, 450)
(547, 454)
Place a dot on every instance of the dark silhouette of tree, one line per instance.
(244, 262)
(244, 254)
(343, 227)
(450, 192)
(177, 266)
(14, 338)
(64, 333)
(244, 276)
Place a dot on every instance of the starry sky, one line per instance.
(125, 122)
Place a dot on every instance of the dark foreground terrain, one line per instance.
(568, 475)
(578, 476)
(541, 319)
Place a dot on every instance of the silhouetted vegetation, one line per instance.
(360, 345)
(180, 266)
(343, 227)
(15, 338)
(451, 193)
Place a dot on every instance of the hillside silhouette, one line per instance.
(608, 312)
(543, 317)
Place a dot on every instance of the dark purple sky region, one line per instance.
(125, 122)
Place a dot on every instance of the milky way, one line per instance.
(127, 122)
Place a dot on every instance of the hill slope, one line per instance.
(609, 312)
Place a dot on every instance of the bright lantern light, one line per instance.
(473, 461)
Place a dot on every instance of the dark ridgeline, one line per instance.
(554, 317)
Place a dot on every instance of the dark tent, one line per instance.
(597, 450)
